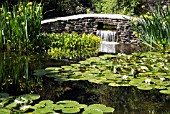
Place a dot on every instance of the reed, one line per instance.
(20, 26)
(154, 28)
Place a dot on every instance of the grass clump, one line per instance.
(154, 28)
(20, 25)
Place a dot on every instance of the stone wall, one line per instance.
(90, 23)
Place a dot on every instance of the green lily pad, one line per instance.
(43, 111)
(58, 107)
(99, 107)
(159, 87)
(30, 96)
(92, 111)
(4, 111)
(165, 91)
(70, 110)
(46, 102)
(11, 105)
(68, 103)
(52, 68)
(145, 87)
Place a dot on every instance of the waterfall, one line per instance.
(107, 35)
(108, 42)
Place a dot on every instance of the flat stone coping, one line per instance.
(80, 16)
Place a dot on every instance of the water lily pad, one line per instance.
(70, 110)
(68, 103)
(82, 106)
(58, 107)
(11, 105)
(46, 102)
(43, 111)
(165, 91)
(113, 84)
(145, 87)
(99, 107)
(159, 87)
(92, 111)
(24, 108)
(4, 111)
(30, 96)
(53, 68)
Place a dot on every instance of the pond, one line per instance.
(17, 78)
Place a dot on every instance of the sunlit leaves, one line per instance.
(146, 71)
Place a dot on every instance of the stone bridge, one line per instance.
(90, 23)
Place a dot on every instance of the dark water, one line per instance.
(16, 78)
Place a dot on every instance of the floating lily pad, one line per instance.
(53, 68)
(92, 111)
(43, 111)
(4, 111)
(99, 107)
(68, 103)
(30, 96)
(70, 110)
(165, 91)
(58, 107)
(11, 105)
(145, 87)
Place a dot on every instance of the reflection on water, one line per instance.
(16, 77)
(126, 100)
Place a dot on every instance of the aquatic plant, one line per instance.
(154, 28)
(73, 45)
(20, 26)
(15, 71)
(25, 104)
(146, 71)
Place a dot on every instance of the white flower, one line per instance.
(124, 77)
(147, 81)
(162, 79)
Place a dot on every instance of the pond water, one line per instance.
(16, 78)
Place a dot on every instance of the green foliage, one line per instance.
(15, 71)
(19, 28)
(146, 71)
(154, 28)
(73, 45)
(24, 104)
(59, 8)
(116, 6)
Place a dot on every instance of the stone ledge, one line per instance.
(81, 16)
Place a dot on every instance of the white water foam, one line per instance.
(108, 42)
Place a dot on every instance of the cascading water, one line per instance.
(108, 42)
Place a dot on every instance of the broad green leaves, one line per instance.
(146, 71)
(24, 104)
(73, 45)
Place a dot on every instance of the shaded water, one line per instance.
(16, 77)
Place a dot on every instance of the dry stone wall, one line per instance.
(90, 23)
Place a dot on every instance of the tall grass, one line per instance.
(154, 28)
(19, 28)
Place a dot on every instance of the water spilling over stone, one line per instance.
(108, 42)
(107, 35)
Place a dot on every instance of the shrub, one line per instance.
(73, 45)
